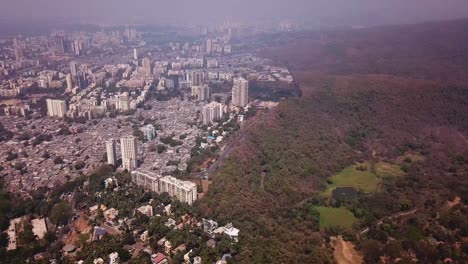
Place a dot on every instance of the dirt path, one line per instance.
(345, 253)
(397, 215)
(456, 201)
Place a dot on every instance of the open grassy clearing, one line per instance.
(331, 217)
(364, 177)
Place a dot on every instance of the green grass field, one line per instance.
(383, 169)
(330, 216)
(366, 181)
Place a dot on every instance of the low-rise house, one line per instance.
(146, 210)
(228, 230)
(114, 258)
(111, 214)
(180, 248)
(39, 227)
(158, 258)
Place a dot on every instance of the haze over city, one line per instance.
(316, 12)
(240, 131)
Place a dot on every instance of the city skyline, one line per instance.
(358, 12)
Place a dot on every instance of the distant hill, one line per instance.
(392, 94)
(436, 51)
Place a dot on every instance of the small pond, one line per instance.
(344, 193)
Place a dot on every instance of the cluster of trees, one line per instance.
(5, 134)
(169, 140)
(278, 168)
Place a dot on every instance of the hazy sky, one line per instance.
(202, 11)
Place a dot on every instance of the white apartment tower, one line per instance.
(123, 103)
(111, 152)
(211, 112)
(69, 82)
(136, 54)
(146, 62)
(204, 92)
(74, 68)
(184, 191)
(209, 45)
(240, 92)
(128, 147)
(195, 78)
(56, 107)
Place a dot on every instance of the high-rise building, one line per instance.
(19, 52)
(184, 191)
(195, 78)
(150, 132)
(111, 152)
(209, 45)
(69, 82)
(124, 102)
(146, 62)
(77, 46)
(128, 147)
(56, 107)
(194, 91)
(204, 92)
(82, 80)
(57, 44)
(136, 54)
(240, 92)
(211, 112)
(74, 69)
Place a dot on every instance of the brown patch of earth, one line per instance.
(345, 253)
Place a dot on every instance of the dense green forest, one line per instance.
(273, 185)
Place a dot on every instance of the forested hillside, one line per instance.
(358, 110)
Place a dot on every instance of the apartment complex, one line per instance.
(111, 152)
(240, 92)
(184, 191)
(146, 179)
(56, 107)
(211, 112)
(203, 92)
(128, 147)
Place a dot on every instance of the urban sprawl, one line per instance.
(148, 117)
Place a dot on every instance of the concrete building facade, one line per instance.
(56, 107)
(240, 92)
(111, 152)
(128, 146)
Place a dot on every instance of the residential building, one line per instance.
(194, 91)
(158, 258)
(150, 132)
(69, 82)
(146, 62)
(209, 45)
(195, 78)
(184, 191)
(136, 53)
(211, 112)
(146, 179)
(56, 107)
(204, 92)
(240, 92)
(128, 146)
(111, 152)
(124, 102)
(74, 69)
